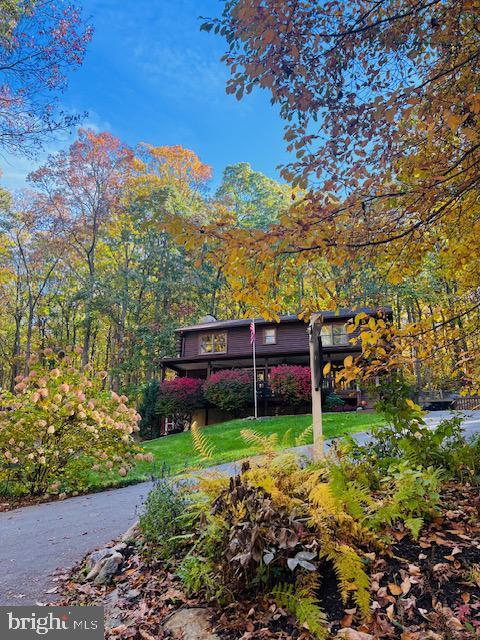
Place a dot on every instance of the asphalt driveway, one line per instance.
(37, 540)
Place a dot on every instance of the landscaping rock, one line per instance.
(106, 567)
(109, 567)
(103, 561)
(131, 533)
(97, 556)
(191, 624)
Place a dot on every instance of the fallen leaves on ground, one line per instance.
(427, 589)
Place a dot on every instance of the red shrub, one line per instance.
(292, 384)
(180, 396)
(230, 389)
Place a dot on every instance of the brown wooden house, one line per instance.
(212, 345)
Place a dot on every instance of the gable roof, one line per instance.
(341, 314)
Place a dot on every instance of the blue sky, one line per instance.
(151, 75)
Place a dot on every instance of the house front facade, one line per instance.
(212, 345)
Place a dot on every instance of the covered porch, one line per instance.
(204, 366)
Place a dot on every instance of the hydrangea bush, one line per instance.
(229, 390)
(60, 427)
(291, 384)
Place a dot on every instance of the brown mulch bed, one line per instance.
(424, 589)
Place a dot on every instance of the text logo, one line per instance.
(54, 623)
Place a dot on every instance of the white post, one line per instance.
(314, 330)
(255, 378)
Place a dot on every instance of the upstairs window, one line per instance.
(270, 335)
(335, 335)
(213, 343)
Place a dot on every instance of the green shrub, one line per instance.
(60, 426)
(405, 436)
(160, 520)
(332, 401)
(150, 422)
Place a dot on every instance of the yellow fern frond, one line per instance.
(260, 477)
(212, 484)
(202, 446)
(322, 497)
(351, 575)
(304, 436)
(265, 444)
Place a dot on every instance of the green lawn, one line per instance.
(175, 453)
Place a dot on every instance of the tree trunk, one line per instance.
(28, 346)
(15, 349)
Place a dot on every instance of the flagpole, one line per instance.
(254, 372)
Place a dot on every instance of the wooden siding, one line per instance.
(291, 337)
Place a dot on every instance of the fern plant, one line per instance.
(351, 575)
(304, 436)
(412, 495)
(303, 604)
(198, 573)
(264, 444)
(201, 444)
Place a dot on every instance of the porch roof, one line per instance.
(226, 360)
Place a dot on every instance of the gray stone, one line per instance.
(131, 533)
(95, 557)
(109, 567)
(191, 624)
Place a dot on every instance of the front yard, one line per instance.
(176, 452)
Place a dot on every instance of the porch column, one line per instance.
(209, 372)
(265, 387)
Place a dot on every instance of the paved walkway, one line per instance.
(36, 540)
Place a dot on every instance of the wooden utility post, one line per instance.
(314, 330)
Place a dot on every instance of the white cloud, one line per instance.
(179, 73)
(14, 169)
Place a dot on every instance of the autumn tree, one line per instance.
(257, 200)
(381, 103)
(40, 42)
(33, 252)
(82, 188)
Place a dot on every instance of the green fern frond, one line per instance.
(354, 495)
(415, 525)
(304, 607)
(202, 446)
(285, 442)
(303, 437)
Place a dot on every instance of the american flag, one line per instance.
(252, 332)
